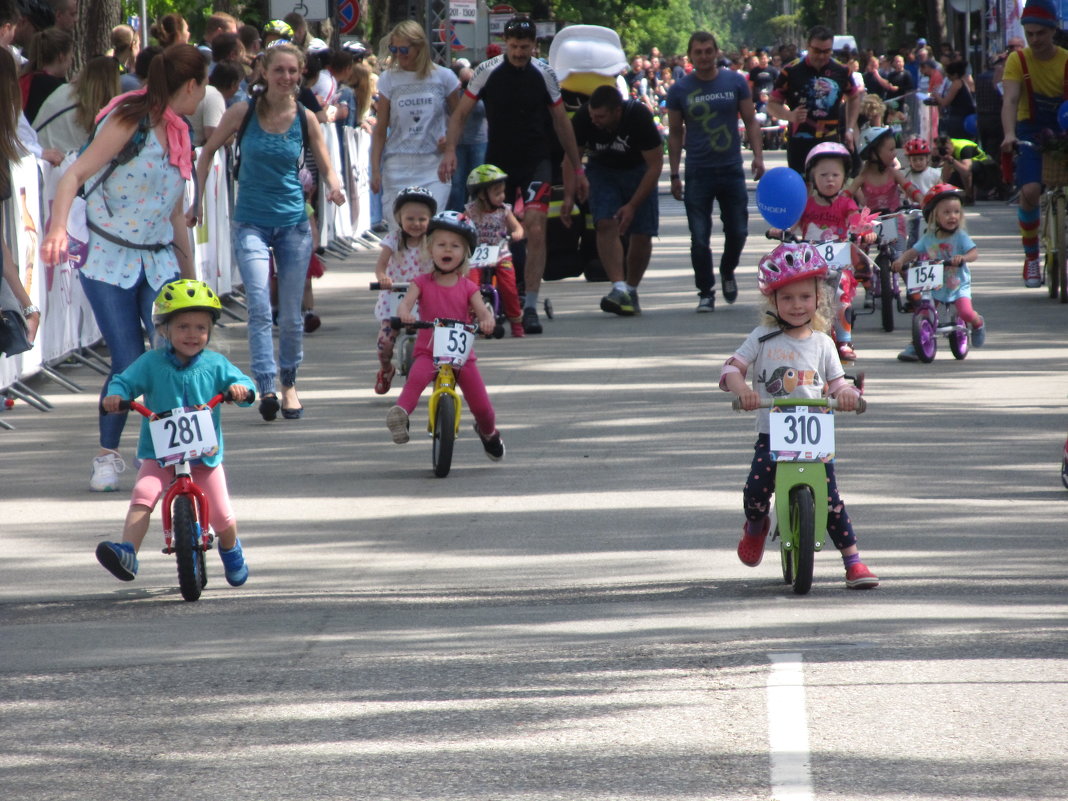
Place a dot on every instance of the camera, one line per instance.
(943, 151)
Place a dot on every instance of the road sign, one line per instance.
(348, 15)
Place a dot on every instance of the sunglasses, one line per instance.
(402, 50)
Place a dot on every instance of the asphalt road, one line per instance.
(571, 623)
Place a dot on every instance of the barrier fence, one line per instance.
(68, 329)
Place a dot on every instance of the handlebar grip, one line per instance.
(398, 286)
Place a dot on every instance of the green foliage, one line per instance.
(195, 12)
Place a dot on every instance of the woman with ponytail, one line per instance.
(135, 212)
(270, 215)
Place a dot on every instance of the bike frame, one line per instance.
(182, 484)
(444, 384)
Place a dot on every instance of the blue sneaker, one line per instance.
(908, 354)
(119, 558)
(234, 565)
(979, 336)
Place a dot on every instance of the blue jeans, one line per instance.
(726, 186)
(124, 316)
(467, 158)
(292, 246)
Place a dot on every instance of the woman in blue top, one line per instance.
(138, 240)
(270, 214)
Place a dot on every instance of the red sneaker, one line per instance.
(751, 545)
(517, 330)
(846, 354)
(858, 577)
(384, 380)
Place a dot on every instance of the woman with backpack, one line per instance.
(134, 172)
(272, 131)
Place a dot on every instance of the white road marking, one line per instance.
(791, 775)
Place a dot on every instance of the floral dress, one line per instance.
(404, 266)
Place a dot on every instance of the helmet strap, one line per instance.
(783, 325)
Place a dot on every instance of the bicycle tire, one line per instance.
(444, 435)
(803, 523)
(924, 337)
(407, 355)
(191, 572)
(958, 343)
(886, 293)
(1059, 281)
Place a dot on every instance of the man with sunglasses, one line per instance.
(810, 93)
(523, 111)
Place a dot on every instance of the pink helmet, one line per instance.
(789, 262)
(826, 150)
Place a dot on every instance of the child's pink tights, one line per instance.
(967, 313)
(467, 378)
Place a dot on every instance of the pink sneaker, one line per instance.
(751, 545)
(858, 577)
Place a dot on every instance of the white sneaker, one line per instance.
(397, 422)
(106, 469)
(1032, 273)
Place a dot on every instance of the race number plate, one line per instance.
(889, 229)
(395, 298)
(802, 434)
(486, 255)
(453, 343)
(838, 255)
(186, 433)
(925, 277)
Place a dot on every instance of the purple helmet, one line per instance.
(826, 150)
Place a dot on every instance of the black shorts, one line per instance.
(529, 186)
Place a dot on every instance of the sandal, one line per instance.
(384, 380)
(269, 406)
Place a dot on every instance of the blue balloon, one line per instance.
(781, 196)
(971, 124)
(1062, 116)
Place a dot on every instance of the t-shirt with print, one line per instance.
(710, 111)
(624, 147)
(418, 113)
(404, 266)
(957, 281)
(822, 91)
(819, 222)
(492, 226)
(1047, 81)
(787, 367)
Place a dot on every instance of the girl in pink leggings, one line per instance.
(946, 240)
(447, 293)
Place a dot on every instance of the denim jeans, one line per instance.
(467, 158)
(292, 247)
(124, 316)
(726, 186)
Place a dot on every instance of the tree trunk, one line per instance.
(937, 28)
(93, 30)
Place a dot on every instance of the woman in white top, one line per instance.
(415, 98)
(66, 116)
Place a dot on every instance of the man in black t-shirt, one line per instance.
(517, 91)
(810, 93)
(626, 157)
(762, 77)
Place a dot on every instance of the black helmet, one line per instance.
(415, 194)
(520, 28)
(456, 222)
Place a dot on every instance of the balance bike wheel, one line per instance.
(958, 342)
(924, 337)
(886, 295)
(192, 575)
(548, 305)
(407, 355)
(803, 522)
(444, 435)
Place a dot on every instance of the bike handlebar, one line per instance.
(398, 286)
(132, 405)
(830, 403)
(396, 323)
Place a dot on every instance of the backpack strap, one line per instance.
(130, 150)
(59, 113)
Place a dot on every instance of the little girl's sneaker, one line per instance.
(979, 336)
(105, 474)
(119, 558)
(234, 565)
(517, 330)
(397, 422)
(858, 577)
(384, 379)
(751, 545)
(493, 444)
(846, 354)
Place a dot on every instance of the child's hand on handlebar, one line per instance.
(111, 403)
(406, 316)
(749, 399)
(847, 399)
(385, 282)
(897, 264)
(487, 324)
(237, 393)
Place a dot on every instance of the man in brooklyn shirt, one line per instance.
(703, 110)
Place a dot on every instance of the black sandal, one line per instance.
(269, 406)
